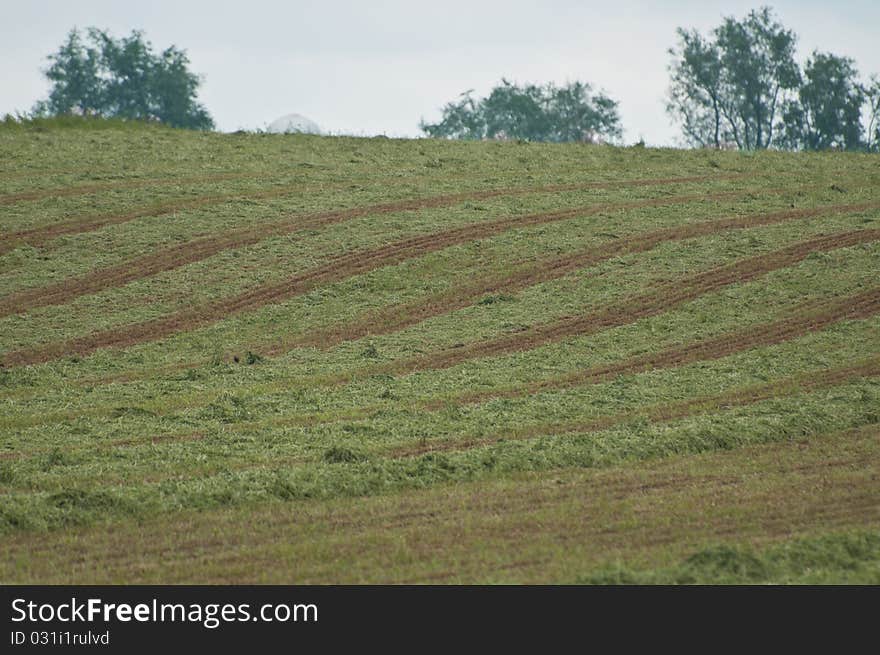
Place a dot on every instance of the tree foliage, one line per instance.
(729, 87)
(741, 85)
(872, 133)
(123, 78)
(530, 112)
(827, 111)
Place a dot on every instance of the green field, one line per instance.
(253, 358)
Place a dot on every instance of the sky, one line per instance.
(378, 67)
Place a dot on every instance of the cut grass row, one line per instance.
(641, 306)
(679, 291)
(87, 189)
(257, 409)
(100, 310)
(272, 263)
(233, 468)
(199, 249)
(843, 293)
(785, 512)
(397, 317)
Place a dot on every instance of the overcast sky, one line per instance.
(377, 67)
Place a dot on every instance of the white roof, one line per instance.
(293, 123)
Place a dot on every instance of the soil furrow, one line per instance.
(397, 317)
(336, 270)
(40, 235)
(858, 306)
(660, 299)
(173, 257)
(666, 412)
(42, 194)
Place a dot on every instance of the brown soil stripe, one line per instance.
(660, 299)
(41, 194)
(196, 250)
(857, 306)
(398, 317)
(338, 269)
(40, 235)
(808, 317)
(666, 412)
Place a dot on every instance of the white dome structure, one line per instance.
(292, 123)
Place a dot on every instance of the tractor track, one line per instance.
(661, 413)
(86, 189)
(173, 257)
(803, 319)
(858, 306)
(808, 317)
(338, 269)
(38, 236)
(662, 298)
(397, 317)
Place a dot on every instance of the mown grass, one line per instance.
(830, 559)
(234, 417)
(794, 511)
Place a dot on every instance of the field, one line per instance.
(287, 359)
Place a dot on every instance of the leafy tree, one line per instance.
(123, 78)
(75, 76)
(515, 112)
(530, 112)
(872, 133)
(696, 94)
(730, 86)
(757, 55)
(574, 113)
(461, 120)
(828, 109)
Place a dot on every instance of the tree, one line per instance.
(75, 76)
(730, 87)
(872, 133)
(461, 120)
(696, 92)
(828, 109)
(123, 78)
(573, 113)
(530, 112)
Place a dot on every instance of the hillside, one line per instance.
(266, 358)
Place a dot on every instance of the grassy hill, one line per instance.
(254, 358)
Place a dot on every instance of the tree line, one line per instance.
(94, 74)
(739, 86)
(530, 112)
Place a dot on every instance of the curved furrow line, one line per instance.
(664, 412)
(804, 319)
(173, 257)
(40, 235)
(397, 317)
(338, 269)
(632, 309)
(854, 307)
(659, 413)
(86, 189)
